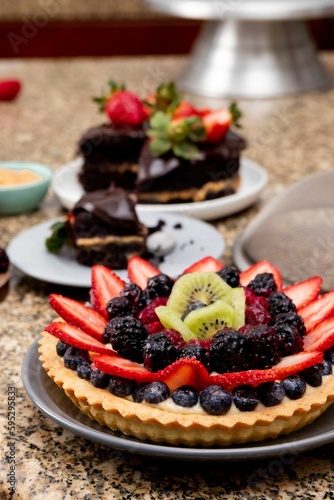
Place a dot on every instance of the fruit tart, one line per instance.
(213, 357)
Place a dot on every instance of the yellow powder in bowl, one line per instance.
(11, 177)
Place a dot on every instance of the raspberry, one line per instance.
(280, 303)
(175, 337)
(229, 352)
(148, 315)
(160, 286)
(263, 284)
(158, 352)
(263, 347)
(119, 306)
(290, 341)
(257, 309)
(230, 275)
(127, 336)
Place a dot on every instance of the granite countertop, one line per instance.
(291, 137)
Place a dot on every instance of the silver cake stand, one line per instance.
(251, 48)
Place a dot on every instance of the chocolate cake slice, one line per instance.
(172, 179)
(106, 230)
(110, 154)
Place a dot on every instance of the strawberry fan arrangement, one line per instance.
(239, 357)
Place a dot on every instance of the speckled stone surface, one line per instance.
(290, 137)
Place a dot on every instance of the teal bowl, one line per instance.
(20, 198)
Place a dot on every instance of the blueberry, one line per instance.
(61, 348)
(156, 392)
(84, 370)
(313, 375)
(245, 398)
(185, 396)
(326, 367)
(138, 394)
(295, 386)
(120, 386)
(271, 393)
(215, 400)
(99, 379)
(73, 357)
(192, 307)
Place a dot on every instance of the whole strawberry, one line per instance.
(9, 89)
(125, 108)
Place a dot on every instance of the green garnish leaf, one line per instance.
(159, 147)
(159, 121)
(60, 236)
(187, 150)
(105, 96)
(236, 114)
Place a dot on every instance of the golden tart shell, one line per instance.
(144, 422)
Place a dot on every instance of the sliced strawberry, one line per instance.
(321, 337)
(105, 286)
(185, 371)
(207, 264)
(318, 310)
(9, 89)
(155, 327)
(116, 365)
(216, 124)
(148, 314)
(77, 314)
(263, 266)
(76, 337)
(289, 365)
(185, 109)
(304, 292)
(140, 270)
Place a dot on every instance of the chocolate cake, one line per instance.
(172, 179)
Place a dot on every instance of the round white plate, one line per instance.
(195, 240)
(68, 190)
(53, 403)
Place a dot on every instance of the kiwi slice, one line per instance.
(205, 287)
(206, 321)
(170, 319)
(237, 300)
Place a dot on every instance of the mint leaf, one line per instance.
(159, 120)
(236, 114)
(187, 150)
(60, 236)
(159, 147)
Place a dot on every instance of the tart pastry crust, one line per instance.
(144, 422)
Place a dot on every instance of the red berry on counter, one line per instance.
(9, 89)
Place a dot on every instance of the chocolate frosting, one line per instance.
(114, 206)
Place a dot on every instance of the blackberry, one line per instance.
(185, 396)
(158, 352)
(127, 336)
(294, 386)
(99, 379)
(119, 306)
(313, 375)
(133, 293)
(280, 303)
(263, 284)
(138, 393)
(74, 357)
(215, 400)
(245, 398)
(271, 393)
(230, 275)
(195, 351)
(120, 386)
(229, 352)
(290, 341)
(61, 348)
(291, 318)
(159, 286)
(263, 347)
(156, 392)
(329, 354)
(4, 261)
(84, 370)
(326, 367)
